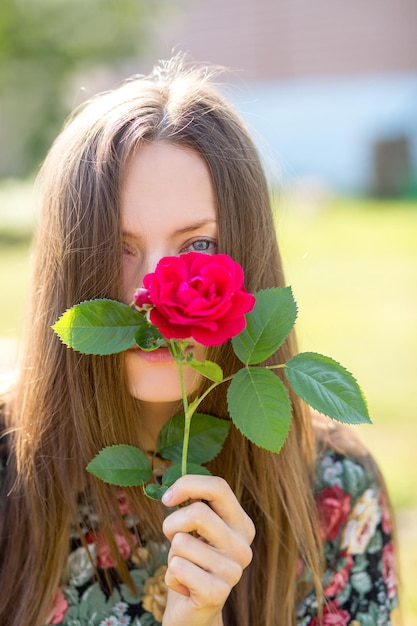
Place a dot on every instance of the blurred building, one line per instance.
(330, 87)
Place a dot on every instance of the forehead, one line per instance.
(162, 181)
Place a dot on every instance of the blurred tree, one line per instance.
(43, 45)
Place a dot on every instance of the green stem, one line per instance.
(177, 350)
(187, 419)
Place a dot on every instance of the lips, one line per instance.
(161, 355)
(158, 356)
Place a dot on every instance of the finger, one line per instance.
(201, 519)
(202, 555)
(218, 494)
(205, 590)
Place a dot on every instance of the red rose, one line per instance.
(333, 507)
(200, 296)
(141, 298)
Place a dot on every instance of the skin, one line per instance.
(168, 208)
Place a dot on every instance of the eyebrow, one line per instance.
(180, 231)
(195, 226)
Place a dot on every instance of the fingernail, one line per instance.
(167, 497)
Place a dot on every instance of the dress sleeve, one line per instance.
(359, 582)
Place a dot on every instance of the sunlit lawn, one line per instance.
(353, 268)
(17, 215)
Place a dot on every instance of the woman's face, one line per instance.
(168, 208)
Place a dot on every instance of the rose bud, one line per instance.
(142, 298)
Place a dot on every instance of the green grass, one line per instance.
(14, 267)
(353, 268)
(354, 273)
(17, 217)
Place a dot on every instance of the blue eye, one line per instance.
(208, 246)
(202, 245)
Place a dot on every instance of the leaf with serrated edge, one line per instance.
(122, 465)
(148, 337)
(154, 491)
(99, 327)
(207, 436)
(267, 325)
(260, 407)
(210, 370)
(328, 387)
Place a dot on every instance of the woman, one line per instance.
(163, 166)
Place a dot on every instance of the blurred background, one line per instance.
(329, 91)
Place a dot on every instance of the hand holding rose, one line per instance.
(210, 548)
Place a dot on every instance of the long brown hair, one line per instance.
(67, 406)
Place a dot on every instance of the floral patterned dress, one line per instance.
(359, 581)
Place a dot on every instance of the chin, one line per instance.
(153, 380)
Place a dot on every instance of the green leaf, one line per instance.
(148, 337)
(207, 436)
(174, 472)
(99, 327)
(267, 325)
(122, 465)
(260, 407)
(328, 387)
(210, 370)
(155, 491)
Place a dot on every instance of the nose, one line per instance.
(148, 264)
(151, 260)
